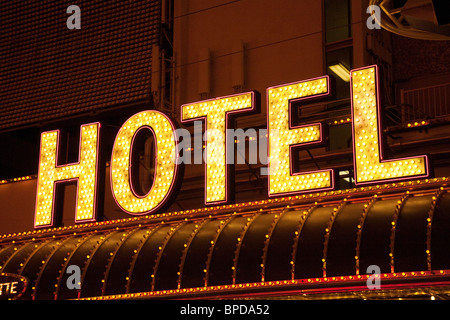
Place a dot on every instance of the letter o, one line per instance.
(166, 168)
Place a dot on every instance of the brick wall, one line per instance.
(50, 72)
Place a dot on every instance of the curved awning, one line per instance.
(296, 242)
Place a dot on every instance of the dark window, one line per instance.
(337, 20)
(339, 64)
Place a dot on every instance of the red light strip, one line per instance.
(350, 194)
(292, 286)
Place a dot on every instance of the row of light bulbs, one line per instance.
(281, 179)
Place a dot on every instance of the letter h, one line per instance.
(84, 172)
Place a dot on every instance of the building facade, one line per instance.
(102, 66)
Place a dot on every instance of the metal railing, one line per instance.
(421, 104)
(426, 103)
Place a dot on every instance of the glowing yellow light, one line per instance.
(84, 172)
(341, 71)
(282, 137)
(216, 112)
(367, 144)
(165, 163)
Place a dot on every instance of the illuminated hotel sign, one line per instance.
(370, 165)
